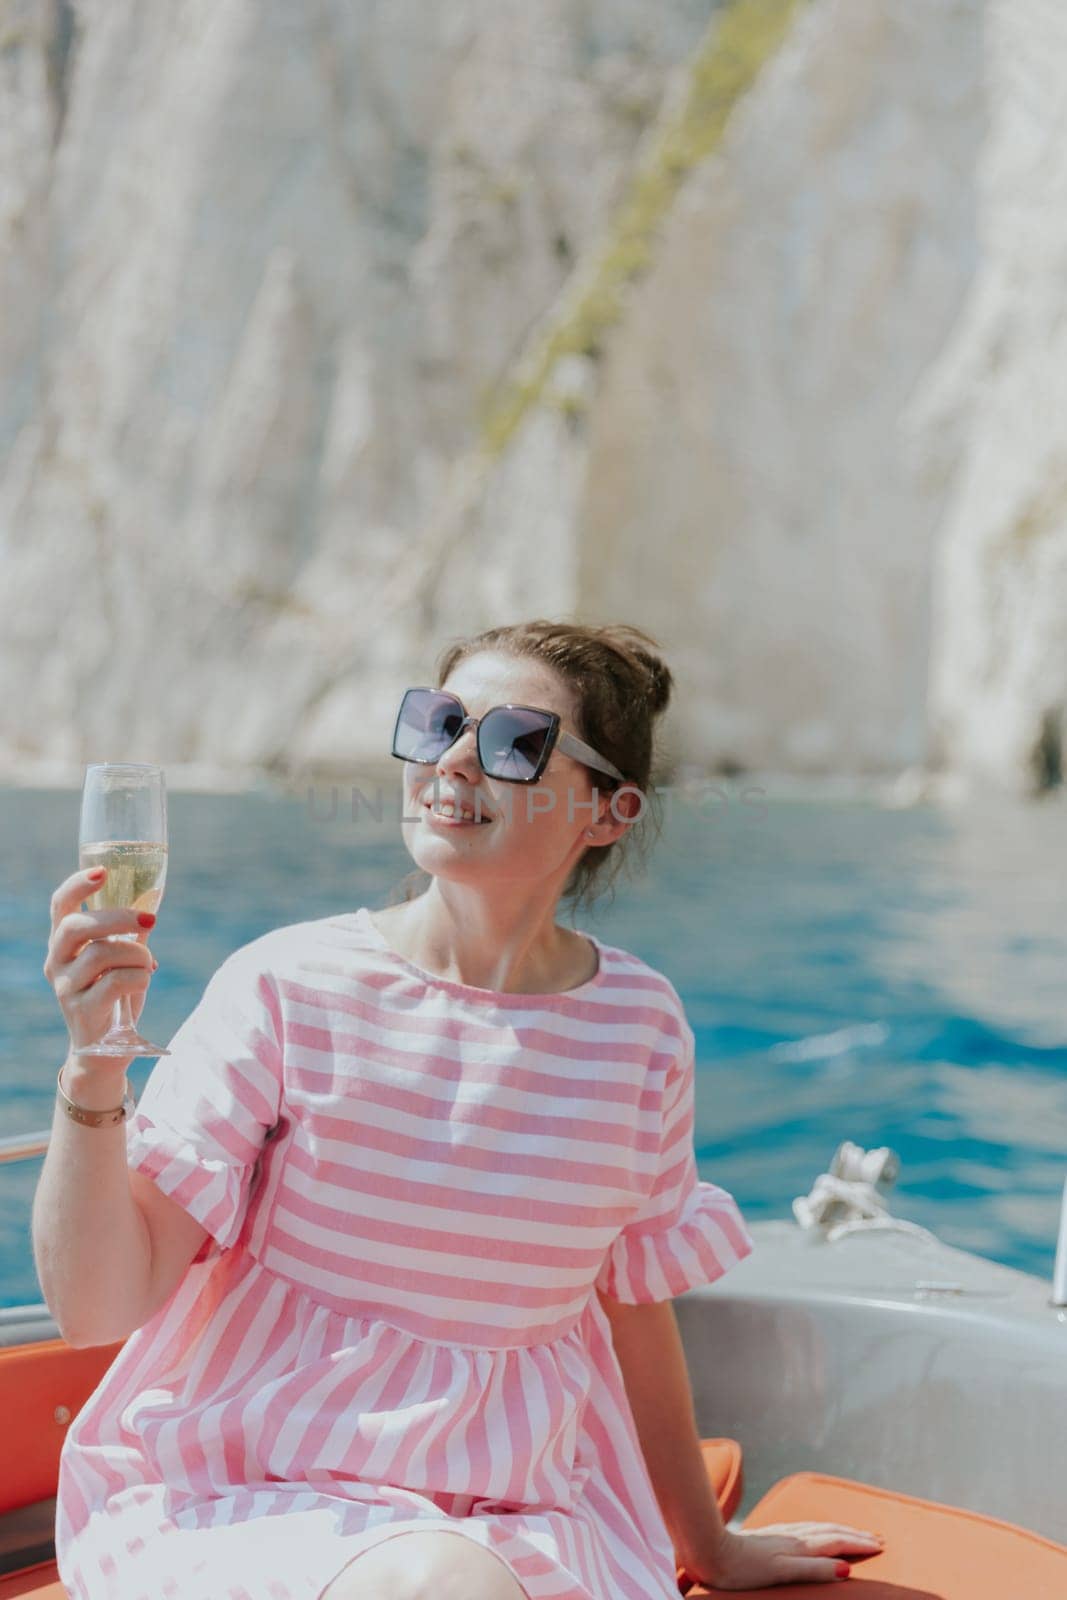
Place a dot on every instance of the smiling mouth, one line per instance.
(452, 819)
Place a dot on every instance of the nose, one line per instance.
(462, 755)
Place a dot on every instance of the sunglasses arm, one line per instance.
(585, 753)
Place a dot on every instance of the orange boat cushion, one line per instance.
(43, 1386)
(722, 1458)
(40, 1583)
(932, 1551)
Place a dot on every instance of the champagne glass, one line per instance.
(124, 828)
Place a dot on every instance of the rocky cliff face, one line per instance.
(332, 331)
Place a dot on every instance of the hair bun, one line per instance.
(660, 684)
(640, 649)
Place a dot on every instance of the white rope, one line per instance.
(845, 1200)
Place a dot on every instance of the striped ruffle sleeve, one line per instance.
(687, 1232)
(204, 1113)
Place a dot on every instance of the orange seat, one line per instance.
(40, 1583)
(932, 1551)
(722, 1458)
(43, 1386)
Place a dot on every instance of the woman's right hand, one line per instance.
(89, 971)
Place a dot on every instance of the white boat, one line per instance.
(853, 1369)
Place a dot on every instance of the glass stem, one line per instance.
(121, 1012)
(122, 1015)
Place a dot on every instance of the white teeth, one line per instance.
(448, 810)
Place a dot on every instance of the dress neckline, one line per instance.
(500, 996)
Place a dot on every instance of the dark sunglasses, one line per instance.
(514, 742)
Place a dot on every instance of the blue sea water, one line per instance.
(850, 972)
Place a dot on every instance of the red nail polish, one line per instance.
(146, 919)
(842, 1569)
(96, 874)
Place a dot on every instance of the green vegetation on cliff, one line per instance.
(740, 39)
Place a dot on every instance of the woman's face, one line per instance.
(535, 832)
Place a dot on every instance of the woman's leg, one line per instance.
(433, 1565)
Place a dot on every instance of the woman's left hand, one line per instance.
(788, 1552)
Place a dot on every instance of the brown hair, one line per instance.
(619, 685)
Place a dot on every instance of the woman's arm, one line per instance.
(651, 1356)
(91, 1243)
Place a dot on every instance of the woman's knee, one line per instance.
(383, 1572)
(430, 1565)
(470, 1572)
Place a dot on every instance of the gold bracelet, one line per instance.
(96, 1119)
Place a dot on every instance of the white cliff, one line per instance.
(332, 332)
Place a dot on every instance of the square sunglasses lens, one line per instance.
(427, 724)
(511, 744)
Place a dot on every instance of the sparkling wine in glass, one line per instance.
(124, 828)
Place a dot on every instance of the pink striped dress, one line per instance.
(412, 1190)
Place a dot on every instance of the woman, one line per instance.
(407, 1204)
